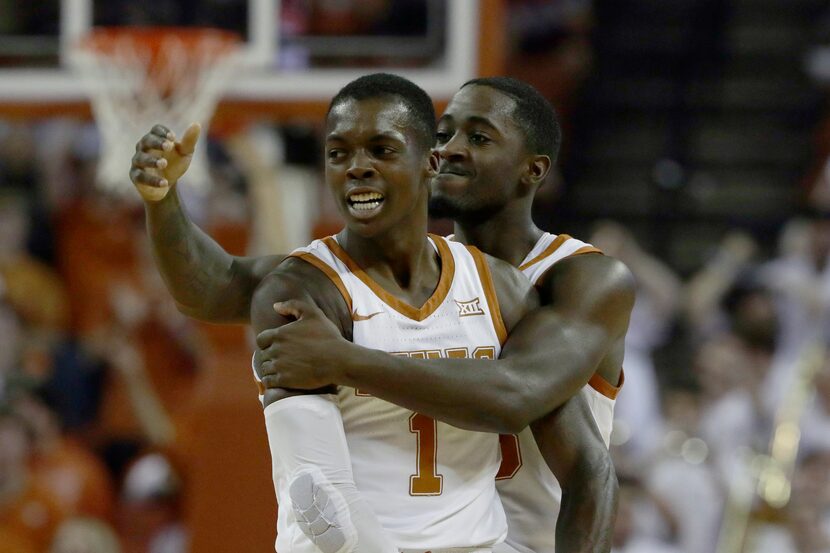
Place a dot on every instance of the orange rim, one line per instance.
(107, 40)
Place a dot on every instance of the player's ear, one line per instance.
(434, 161)
(536, 170)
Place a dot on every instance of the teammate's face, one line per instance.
(375, 167)
(482, 157)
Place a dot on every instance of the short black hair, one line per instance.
(533, 112)
(378, 85)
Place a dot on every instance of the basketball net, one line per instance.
(139, 77)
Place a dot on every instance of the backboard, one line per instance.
(297, 53)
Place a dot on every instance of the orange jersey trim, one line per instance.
(584, 250)
(329, 272)
(552, 247)
(604, 387)
(415, 313)
(489, 292)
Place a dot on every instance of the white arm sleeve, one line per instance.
(320, 506)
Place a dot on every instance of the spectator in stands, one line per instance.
(85, 535)
(810, 519)
(799, 278)
(29, 511)
(731, 420)
(553, 35)
(644, 524)
(33, 288)
(150, 518)
(703, 308)
(10, 347)
(79, 480)
(685, 457)
(815, 427)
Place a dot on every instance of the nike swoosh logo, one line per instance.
(356, 317)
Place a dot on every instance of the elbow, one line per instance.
(497, 416)
(515, 420)
(197, 312)
(217, 308)
(204, 313)
(518, 406)
(512, 417)
(522, 401)
(510, 405)
(606, 475)
(594, 473)
(508, 424)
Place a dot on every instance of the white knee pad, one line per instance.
(321, 511)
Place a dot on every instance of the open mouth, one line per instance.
(365, 201)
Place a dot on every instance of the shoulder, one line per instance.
(590, 278)
(297, 279)
(591, 268)
(507, 278)
(514, 292)
(288, 278)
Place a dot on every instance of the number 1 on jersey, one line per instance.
(426, 481)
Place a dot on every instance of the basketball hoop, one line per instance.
(140, 76)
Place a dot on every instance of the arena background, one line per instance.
(696, 151)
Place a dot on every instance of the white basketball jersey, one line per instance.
(529, 492)
(430, 484)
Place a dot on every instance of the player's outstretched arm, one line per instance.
(206, 282)
(572, 447)
(550, 354)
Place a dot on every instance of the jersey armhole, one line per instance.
(583, 250)
(604, 387)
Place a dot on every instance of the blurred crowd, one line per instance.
(689, 441)
(98, 369)
(96, 363)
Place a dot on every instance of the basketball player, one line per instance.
(378, 169)
(496, 142)
(589, 517)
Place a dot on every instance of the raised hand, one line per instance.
(160, 160)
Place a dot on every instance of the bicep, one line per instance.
(591, 290)
(274, 288)
(297, 280)
(586, 306)
(578, 330)
(534, 334)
